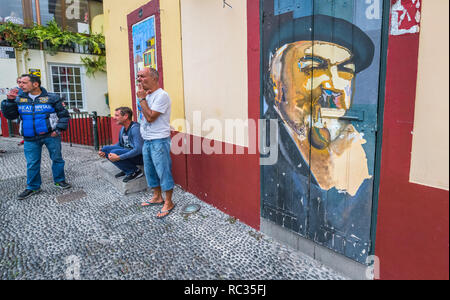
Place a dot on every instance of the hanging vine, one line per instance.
(54, 39)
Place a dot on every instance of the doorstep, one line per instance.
(107, 171)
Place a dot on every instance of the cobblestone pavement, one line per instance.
(108, 236)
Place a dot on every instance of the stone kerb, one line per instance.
(107, 170)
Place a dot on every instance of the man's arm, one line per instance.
(136, 141)
(62, 113)
(150, 115)
(9, 107)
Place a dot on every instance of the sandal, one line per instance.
(167, 212)
(148, 203)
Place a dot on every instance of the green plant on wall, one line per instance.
(94, 65)
(16, 36)
(54, 39)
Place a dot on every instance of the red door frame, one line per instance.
(150, 9)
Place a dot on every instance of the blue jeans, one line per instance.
(158, 164)
(33, 152)
(128, 166)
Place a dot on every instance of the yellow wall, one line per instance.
(430, 154)
(117, 49)
(215, 63)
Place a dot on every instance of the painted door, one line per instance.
(144, 32)
(321, 68)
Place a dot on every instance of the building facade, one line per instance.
(308, 120)
(62, 72)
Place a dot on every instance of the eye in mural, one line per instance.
(321, 68)
(144, 50)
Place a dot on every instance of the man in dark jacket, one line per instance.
(43, 116)
(127, 153)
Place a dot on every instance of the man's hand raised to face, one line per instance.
(141, 93)
(12, 94)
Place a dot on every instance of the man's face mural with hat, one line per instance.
(321, 71)
(313, 79)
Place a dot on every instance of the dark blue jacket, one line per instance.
(134, 141)
(39, 118)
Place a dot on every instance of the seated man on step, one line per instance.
(127, 153)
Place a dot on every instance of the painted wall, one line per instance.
(430, 156)
(413, 226)
(8, 74)
(215, 64)
(95, 88)
(118, 65)
(116, 33)
(221, 80)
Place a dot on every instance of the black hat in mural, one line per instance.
(328, 24)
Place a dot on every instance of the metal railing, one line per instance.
(84, 129)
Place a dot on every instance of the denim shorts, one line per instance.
(158, 164)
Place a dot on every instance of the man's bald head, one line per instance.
(148, 78)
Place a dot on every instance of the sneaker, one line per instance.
(121, 174)
(27, 194)
(135, 175)
(63, 185)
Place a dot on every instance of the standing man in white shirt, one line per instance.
(155, 130)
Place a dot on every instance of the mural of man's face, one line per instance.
(309, 77)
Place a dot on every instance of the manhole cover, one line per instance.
(71, 197)
(190, 209)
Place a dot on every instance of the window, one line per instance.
(73, 15)
(17, 11)
(67, 81)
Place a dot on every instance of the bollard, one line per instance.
(10, 128)
(95, 129)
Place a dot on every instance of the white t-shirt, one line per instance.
(33, 96)
(158, 101)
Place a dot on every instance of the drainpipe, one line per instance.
(43, 57)
(24, 66)
(38, 12)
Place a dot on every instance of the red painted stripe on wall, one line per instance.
(413, 226)
(231, 182)
(5, 132)
(228, 182)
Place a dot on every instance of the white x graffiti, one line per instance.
(400, 12)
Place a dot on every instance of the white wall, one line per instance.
(215, 62)
(94, 87)
(430, 151)
(8, 75)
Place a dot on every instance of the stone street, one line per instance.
(92, 232)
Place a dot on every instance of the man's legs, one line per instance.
(128, 166)
(151, 175)
(33, 151)
(160, 151)
(53, 145)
